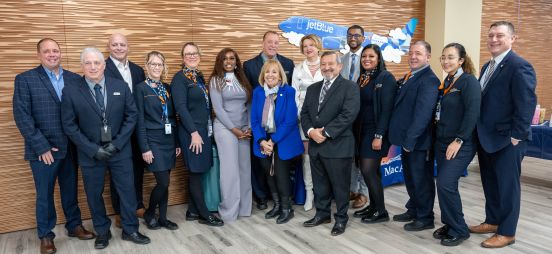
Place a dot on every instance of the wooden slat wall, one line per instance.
(149, 25)
(532, 21)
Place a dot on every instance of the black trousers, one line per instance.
(331, 176)
(159, 196)
(418, 178)
(280, 182)
(138, 166)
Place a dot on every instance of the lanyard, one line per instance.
(442, 92)
(163, 96)
(446, 90)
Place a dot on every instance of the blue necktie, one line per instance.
(352, 70)
(99, 97)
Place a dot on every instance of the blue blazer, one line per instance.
(287, 135)
(410, 124)
(136, 72)
(82, 119)
(507, 103)
(252, 68)
(37, 112)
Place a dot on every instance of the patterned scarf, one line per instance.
(367, 76)
(268, 108)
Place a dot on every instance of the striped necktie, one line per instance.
(323, 92)
(488, 74)
(352, 70)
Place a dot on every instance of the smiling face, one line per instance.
(93, 67)
(330, 67)
(272, 76)
(49, 55)
(418, 56)
(271, 44)
(369, 59)
(354, 39)
(155, 68)
(229, 62)
(451, 61)
(191, 56)
(309, 49)
(499, 40)
(118, 47)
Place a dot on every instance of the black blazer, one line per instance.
(413, 112)
(37, 112)
(82, 119)
(507, 104)
(136, 72)
(252, 68)
(337, 113)
(459, 110)
(189, 103)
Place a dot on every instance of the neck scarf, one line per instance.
(367, 76)
(268, 108)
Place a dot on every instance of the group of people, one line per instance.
(338, 114)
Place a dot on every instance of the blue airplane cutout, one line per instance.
(334, 36)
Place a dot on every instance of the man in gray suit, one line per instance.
(351, 71)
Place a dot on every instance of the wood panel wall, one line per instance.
(532, 21)
(151, 25)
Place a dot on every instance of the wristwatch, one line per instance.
(378, 136)
(459, 141)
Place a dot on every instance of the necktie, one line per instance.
(352, 70)
(488, 74)
(323, 92)
(99, 97)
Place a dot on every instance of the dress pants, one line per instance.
(138, 166)
(45, 179)
(448, 174)
(235, 174)
(358, 185)
(258, 177)
(331, 176)
(500, 176)
(418, 179)
(122, 176)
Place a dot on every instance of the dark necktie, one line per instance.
(323, 92)
(488, 73)
(352, 70)
(99, 97)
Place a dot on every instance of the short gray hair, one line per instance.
(332, 52)
(91, 50)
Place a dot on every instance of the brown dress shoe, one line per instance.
(118, 221)
(47, 246)
(353, 196)
(483, 228)
(81, 233)
(140, 213)
(360, 201)
(498, 241)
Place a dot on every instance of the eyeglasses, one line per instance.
(356, 36)
(450, 58)
(156, 65)
(193, 54)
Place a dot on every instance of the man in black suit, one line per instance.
(411, 128)
(37, 110)
(252, 69)
(327, 116)
(508, 102)
(99, 115)
(118, 66)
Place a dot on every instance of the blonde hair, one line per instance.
(162, 57)
(314, 38)
(272, 63)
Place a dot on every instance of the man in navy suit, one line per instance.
(99, 115)
(252, 69)
(411, 127)
(118, 66)
(508, 102)
(37, 113)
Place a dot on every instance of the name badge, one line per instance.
(168, 129)
(105, 134)
(116, 93)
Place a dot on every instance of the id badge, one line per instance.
(168, 129)
(106, 133)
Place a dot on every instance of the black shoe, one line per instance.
(418, 226)
(338, 228)
(285, 216)
(151, 222)
(441, 233)
(403, 217)
(453, 240)
(136, 237)
(275, 211)
(261, 204)
(191, 216)
(316, 221)
(375, 217)
(211, 221)
(168, 225)
(369, 210)
(102, 241)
